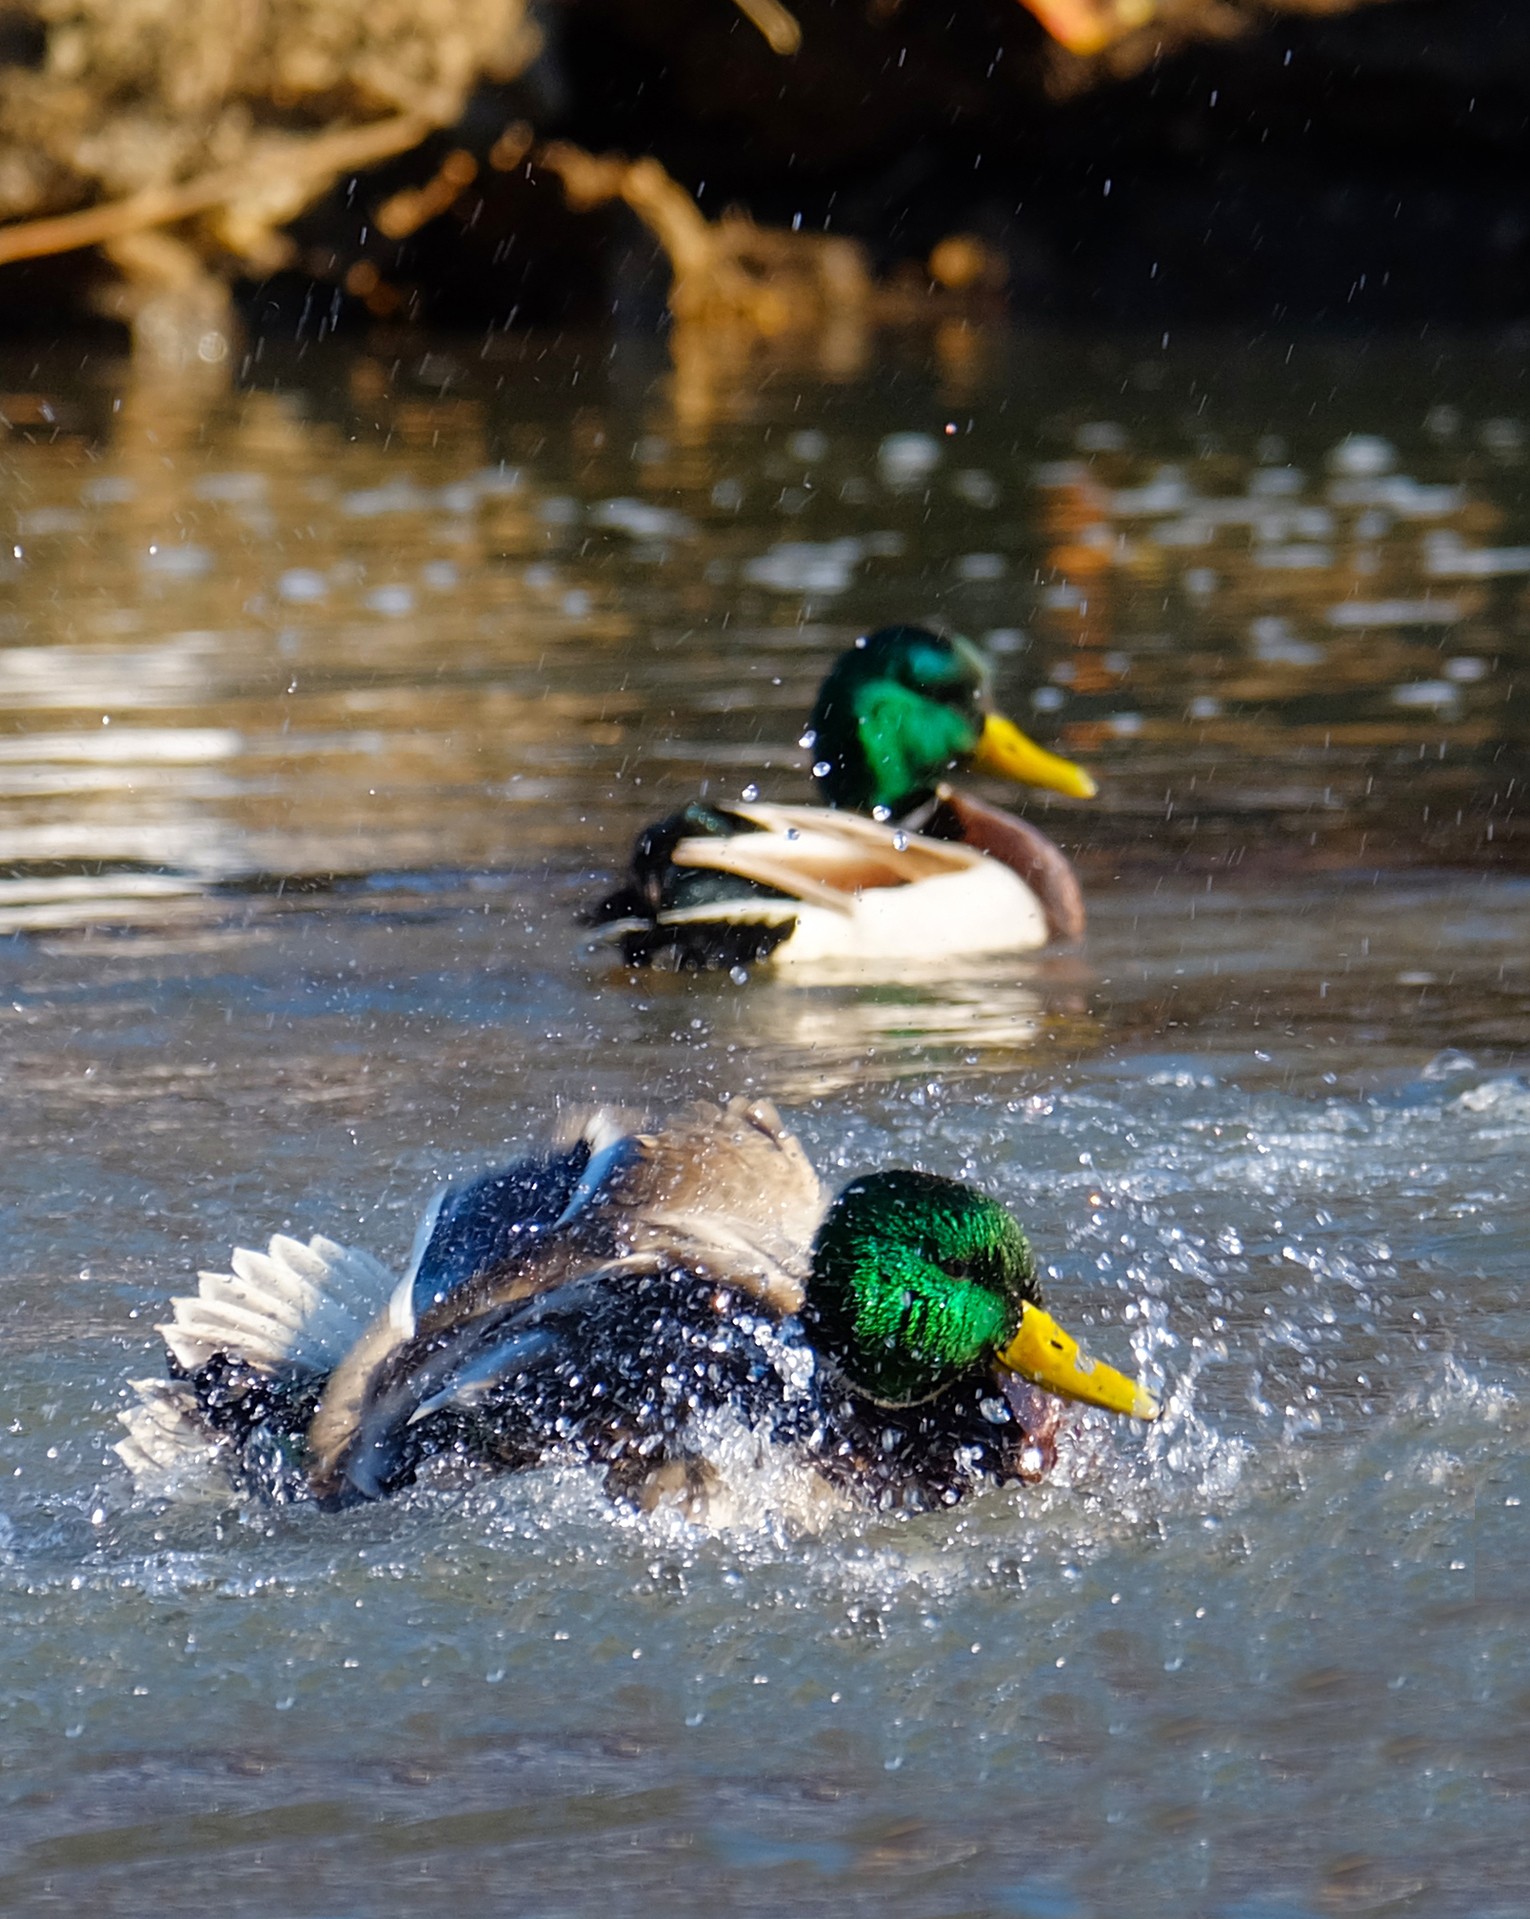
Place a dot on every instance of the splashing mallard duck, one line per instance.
(609, 1301)
(895, 864)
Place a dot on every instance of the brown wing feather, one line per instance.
(824, 858)
(729, 1186)
(768, 864)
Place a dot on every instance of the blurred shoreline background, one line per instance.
(217, 175)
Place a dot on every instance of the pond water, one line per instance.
(328, 700)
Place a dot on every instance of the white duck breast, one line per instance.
(860, 890)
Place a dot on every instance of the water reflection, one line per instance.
(496, 613)
(829, 1028)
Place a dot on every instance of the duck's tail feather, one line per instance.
(166, 1437)
(293, 1308)
(290, 1313)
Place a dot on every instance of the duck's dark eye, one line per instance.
(978, 1267)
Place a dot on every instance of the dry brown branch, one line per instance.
(178, 138)
(1089, 26)
(780, 29)
(299, 170)
(405, 213)
(1131, 31)
(512, 146)
(732, 271)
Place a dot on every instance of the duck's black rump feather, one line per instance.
(638, 913)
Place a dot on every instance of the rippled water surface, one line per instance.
(326, 702)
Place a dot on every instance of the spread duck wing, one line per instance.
(722, 1195)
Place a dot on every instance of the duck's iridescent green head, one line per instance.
(904, 707)
(920, 1281)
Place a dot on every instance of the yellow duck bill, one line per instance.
(1004, 750)
(1050, 1358)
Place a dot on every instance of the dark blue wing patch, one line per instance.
(475, 1224)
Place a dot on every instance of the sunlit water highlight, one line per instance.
(290, 940)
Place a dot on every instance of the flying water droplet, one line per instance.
(821, 769)
(751, 792)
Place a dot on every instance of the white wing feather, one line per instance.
(294, 1306)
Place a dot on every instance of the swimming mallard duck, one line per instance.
(604, 1301)
(894, 864)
